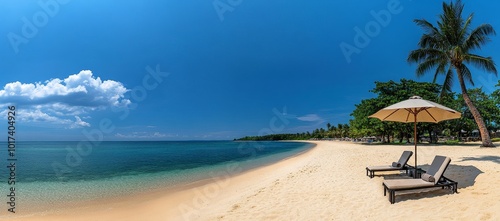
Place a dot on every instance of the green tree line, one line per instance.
(331, 131)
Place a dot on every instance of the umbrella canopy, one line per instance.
(416, 110)
(425, 111)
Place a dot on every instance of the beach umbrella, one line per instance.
(416, 110)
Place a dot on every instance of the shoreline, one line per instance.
(170, 195)
(327, 182)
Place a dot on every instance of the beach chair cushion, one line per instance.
(396, 164)
(427, 177)
(404, 158)
(406, 183)
(438, 166)
(381, 168)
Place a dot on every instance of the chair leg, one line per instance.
(393, 197)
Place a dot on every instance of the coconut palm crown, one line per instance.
(448, 48)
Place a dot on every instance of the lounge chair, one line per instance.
(430, 179)
(400, 165)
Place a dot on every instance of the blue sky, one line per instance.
(204, 70)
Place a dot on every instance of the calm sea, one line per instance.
(49, 172)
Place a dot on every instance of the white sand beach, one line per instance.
(328, 182)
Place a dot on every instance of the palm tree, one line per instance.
(448, 48)
(329, 130)
(340, 130)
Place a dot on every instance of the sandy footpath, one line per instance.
(328, 182)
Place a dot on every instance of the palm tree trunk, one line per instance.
(485, 135)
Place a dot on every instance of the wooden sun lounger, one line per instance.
(436, 170)
(403, 160)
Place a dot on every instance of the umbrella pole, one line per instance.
(415, 141)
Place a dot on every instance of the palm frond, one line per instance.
(432, 37)
(426, 66)
(478, 37)
(422, 54)
(466, 75)
(439, 70)
(448, 82)
(485, 63)
(466, 26)
(451, 22)
(430, 41)
(427, 26)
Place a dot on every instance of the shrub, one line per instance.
(451, 142)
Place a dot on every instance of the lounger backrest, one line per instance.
(438, 166)
(405, 157)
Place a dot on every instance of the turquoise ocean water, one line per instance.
(54, 172)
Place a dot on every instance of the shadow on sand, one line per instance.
(464, 175)
(420, 144)
(494, 159)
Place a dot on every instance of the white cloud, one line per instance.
(37, 116)
(79, 123)
(82, 89)
(64, 102)
(310, 118)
